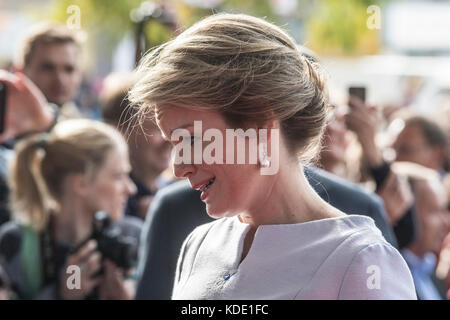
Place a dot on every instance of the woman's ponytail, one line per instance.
(30, 200)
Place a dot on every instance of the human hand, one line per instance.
(113, 285)
(89, 262)
(397, 196)
(27, 109)
(443, 266)
(362, 120)
(3, 294)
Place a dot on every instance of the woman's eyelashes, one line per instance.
(194, 138)
(189, 140)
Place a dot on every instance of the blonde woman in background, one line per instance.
(59, 181)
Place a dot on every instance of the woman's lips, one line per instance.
(206, 192)
(200, 186)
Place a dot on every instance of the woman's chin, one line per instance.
(214, 215)
(218, 214)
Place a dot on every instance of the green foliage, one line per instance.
(98, 14)
(339, 27)
(332, 26)
(106, 22)
(188, 15)
(257, 8)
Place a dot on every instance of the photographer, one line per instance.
(59, 182)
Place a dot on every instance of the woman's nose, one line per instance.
(130, 187)
(183, 170)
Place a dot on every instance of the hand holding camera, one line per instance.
(89, 261)
(103, 259)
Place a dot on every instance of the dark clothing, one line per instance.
(141, 191)
(4, 201)
(177, 210)
(5, 154)
(407, 228)
(52, 259)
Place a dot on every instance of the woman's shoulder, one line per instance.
(221, 228)
(363, 264)
(364, 236)
(358, 235)
(202, 230)
(361, 231)
(372, 267)
(377, 271)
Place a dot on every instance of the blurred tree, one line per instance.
(188, 13)
(106, 23)
(330, 27)
(340, 28)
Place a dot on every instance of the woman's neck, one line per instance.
(72, 224)
(289, 199)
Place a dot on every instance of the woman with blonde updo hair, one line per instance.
(59, 180)
(274, 237)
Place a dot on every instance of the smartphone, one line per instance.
(359, 92)
(2, 106)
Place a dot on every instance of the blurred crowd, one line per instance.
(76, 190)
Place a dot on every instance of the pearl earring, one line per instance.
(265, 162)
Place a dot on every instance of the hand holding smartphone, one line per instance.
(359, 92)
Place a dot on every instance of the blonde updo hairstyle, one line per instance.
(243, 67)
(43, 161)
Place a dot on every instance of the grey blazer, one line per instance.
(177, 210)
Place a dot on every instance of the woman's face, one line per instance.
(111, 187)
(233, 185)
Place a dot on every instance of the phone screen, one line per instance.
(2, 106)
(359, 92)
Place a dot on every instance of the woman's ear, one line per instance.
(78, 184)
(270, 125)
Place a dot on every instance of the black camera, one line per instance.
(121, 249)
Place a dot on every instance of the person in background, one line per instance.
(50, 56)
(59, 181)
(27, 111)
(443, 268)
(434, 225)
(50, 61)
(333, 154)
(393, 189)
(424, 142)
(149, 152)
